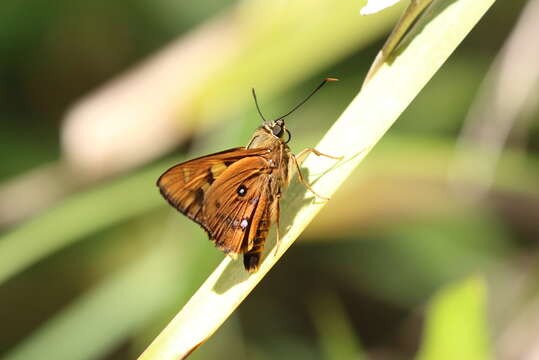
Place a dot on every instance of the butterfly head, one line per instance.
(278, 129)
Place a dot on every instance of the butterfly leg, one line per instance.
(297, 159)
(274, 216)
(303, 153)
(305, 183)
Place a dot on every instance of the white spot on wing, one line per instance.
(244, 224)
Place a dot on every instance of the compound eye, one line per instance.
(277, 130)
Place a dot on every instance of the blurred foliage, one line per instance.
(457, 337)
(102, 270)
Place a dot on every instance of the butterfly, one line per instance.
(235, 194)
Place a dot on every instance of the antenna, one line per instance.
(258, 107)
(308, 97)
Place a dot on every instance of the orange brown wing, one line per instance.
(185, 185)
(236, 203)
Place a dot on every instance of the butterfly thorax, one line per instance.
(270, 137)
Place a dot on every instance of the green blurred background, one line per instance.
(429, 251)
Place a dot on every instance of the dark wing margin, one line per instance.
(253, 255)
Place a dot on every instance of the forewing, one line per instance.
(235, 203)
(185, 185)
